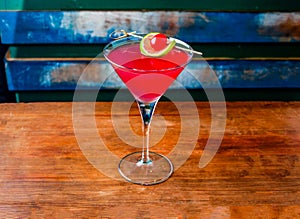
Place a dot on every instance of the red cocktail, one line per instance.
(147, 77)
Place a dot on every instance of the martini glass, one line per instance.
(147, 78)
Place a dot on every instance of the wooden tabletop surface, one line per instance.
(49, 162)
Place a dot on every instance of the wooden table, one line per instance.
(44, 173)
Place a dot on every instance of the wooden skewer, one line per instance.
(189, 50)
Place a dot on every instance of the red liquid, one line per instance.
(147, 78)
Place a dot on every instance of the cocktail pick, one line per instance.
(119, 34)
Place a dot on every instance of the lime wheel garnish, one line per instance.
(156, 45)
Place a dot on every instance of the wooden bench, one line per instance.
(254, 48)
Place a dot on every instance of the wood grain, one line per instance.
(255, 173)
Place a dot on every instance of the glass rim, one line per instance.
(132, 40)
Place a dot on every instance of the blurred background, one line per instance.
(253, 46)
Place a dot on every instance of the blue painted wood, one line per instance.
(30, 27)
(24, 75)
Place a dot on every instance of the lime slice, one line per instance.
(148, 50)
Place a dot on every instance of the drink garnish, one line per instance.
(159, 41)
(156, 45)
(119, 34)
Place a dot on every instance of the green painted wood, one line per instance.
(212, 5)
(198, 95)
(210, 50)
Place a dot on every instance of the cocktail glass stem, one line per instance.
(146, 167)
(146, 111)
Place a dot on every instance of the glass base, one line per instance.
(155, 171)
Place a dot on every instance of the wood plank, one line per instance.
(33, 27)
(63, 74)
(213, 5)
(256, 170)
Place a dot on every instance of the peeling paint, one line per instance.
(62, 75)
(281, 26)
(66, 73)
(95, 26)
